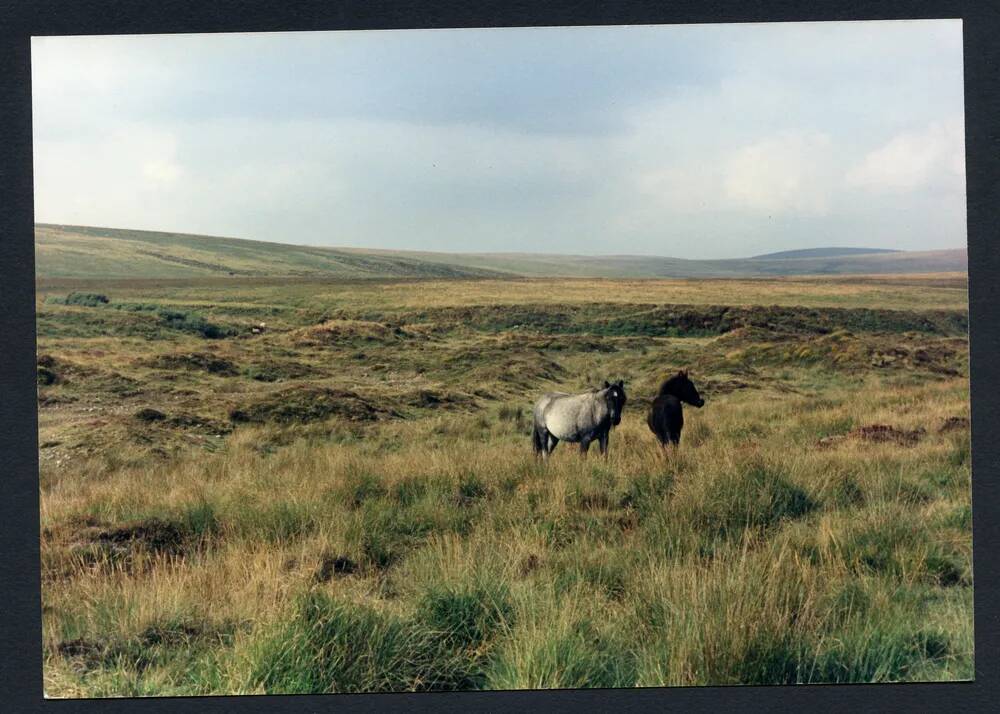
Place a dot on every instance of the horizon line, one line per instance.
(866, 249)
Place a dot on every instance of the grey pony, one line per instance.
(577, 418)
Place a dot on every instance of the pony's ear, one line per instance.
(621, 382)
(682, 373)
(606, 385)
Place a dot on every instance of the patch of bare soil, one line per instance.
(334, 565)
(196, 421)
(83, 654)
(953, 423)
(883, 433)
(937, 358)
(53, 370)
(90, 542)
(152, 535)
(833, 440)
(876, 433)
(150, 415)
(529, 565)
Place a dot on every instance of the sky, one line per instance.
(692, 141)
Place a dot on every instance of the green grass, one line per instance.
(348, 501)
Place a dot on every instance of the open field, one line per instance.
(348, 501)
(90, 252)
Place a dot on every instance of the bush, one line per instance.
(192, 322)
(82, 299)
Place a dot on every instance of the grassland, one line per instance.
(347, 501)
(89, 252)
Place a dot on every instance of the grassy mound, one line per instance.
(303, 404)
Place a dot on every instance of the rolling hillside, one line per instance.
(822, 253)
(87, 252)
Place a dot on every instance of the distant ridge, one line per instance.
(821, 253)
(64, 251)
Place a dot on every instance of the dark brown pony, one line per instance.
(666, 418)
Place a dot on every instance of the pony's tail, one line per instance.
(536, 439)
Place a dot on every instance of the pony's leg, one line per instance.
(584, 446)
(537, 441)
(667, 443)
(550, 443)
(602, 441)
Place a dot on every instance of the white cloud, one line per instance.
(163, 171)
(913, 160)
(749, 135)
(788, 172)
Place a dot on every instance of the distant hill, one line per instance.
(86, 252)
(83, 251)
(822, 253)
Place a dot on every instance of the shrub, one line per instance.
(82, 299)
(192, 322)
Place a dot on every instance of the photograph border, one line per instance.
(20, 647)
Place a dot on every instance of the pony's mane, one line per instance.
(667, 383)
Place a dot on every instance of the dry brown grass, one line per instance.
(752, 554)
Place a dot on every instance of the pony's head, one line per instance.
(681, 386)
(615, 394)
